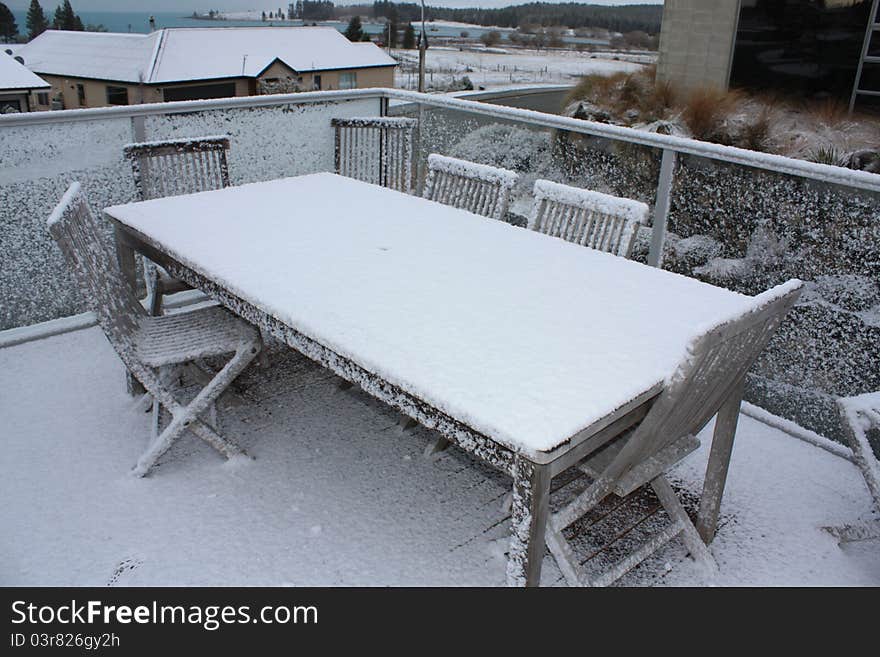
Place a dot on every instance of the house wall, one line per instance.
(366, 77)
(96, 90)
(381, 76)
(696, 42)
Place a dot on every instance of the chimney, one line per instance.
(152, 23)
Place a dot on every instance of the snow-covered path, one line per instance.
(337, 494)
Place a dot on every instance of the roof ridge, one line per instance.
(156, 53)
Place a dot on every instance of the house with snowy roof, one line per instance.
(94, 69)
(20, 89)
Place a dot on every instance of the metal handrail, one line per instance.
(670, 146)
(767, 161)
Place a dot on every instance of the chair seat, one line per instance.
(182, 337)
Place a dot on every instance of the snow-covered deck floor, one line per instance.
(338, 495)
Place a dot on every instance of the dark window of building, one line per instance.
(81, 95)
(9, 105)
(200, 91)
(804, 47)
(117, 95)
(42, 98)
(317, 82)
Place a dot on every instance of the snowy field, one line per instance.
(338, 494)
(500, 67)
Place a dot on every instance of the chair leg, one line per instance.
(689, 534)
(154, 421)
(565, 558)
(187, 417)
(155, 303)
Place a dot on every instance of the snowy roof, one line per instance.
(180, 54)
(15, 76)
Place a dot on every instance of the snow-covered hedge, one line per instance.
(38, 162)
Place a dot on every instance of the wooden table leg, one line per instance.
(719, 461)
(529, 515)
(128, 265)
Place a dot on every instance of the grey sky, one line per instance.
(187, 6)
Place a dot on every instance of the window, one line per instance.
(802, 46)
(9, 105)
(117, 95)
(348, 80)
(42, 98)
(317, 82)
(200, 91)
(81, 95)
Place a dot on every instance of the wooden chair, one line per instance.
(377, 150)
(153, 348)
(477, 188)
(599, 221)
(713, 368)
(171, 168)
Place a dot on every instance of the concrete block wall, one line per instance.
(696, 42)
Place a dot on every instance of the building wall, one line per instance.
(696, 42)
(96, 90)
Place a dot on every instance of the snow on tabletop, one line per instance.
(591, 200)
(484, 172)
(521, 336)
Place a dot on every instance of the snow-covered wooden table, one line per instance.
(520, 348)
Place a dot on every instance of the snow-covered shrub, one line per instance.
(849, 291)
(505, 146)
(38, 162)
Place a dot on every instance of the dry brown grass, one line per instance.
(704, 111)
(623, 93)
(830, 112)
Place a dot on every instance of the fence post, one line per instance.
(661, 208)
(138, 129)
(419, 167)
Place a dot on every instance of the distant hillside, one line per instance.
(626, 18)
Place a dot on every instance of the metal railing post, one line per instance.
(419, 167)
(138, 128)
(661, 207)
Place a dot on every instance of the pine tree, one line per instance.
(36, 20)
(409, 37)
(66, 19)
(354, 32)
(8, 28)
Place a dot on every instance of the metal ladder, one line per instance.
(873, 26)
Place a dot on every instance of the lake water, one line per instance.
(139, 21)
(136, 21)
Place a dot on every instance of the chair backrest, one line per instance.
(477, 188)
(714, 364)
(377, 150)
(599, 221)
(95, 269)
(178, 166)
